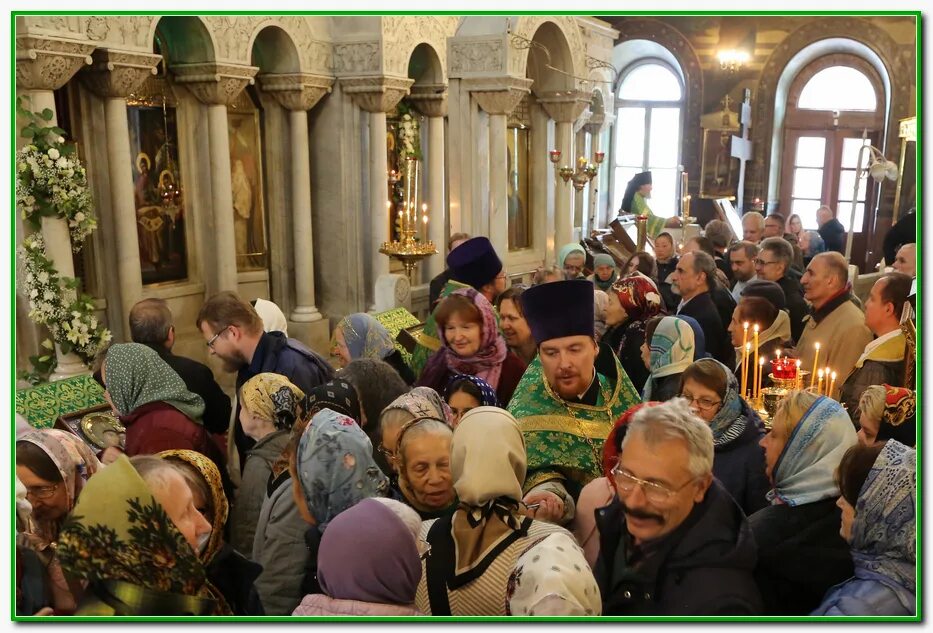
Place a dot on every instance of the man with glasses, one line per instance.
(233, 332)
(673, 542)
(774, 264)
(774, 227)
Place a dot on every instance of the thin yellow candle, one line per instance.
(832, 385)
(761, 368)
(799, 382)
(819, 384)
(746, 350)
(755, 379)
(816, 359)
(744, 334)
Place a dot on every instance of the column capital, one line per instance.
(564, 106)
(212, 83)
(596, 124)
(45, 63)
(117, 73)
(430, 99)
(498, 95)
(298, 92)
(377, 93)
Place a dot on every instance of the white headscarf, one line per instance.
(273, 319)
(553, 578)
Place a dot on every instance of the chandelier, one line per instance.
(732, 60)
(584, 171)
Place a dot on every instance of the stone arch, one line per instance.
(559, 32)
(188, 38)
(680, 47)
(767, 124)
(424, 65)
(273, 50)
(558, 56)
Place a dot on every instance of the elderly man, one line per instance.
(695, 277)
(774, 264)
(564, 407)
(831, 230)
(742, 256)
(673, 541)
(152, 324)
(835, 322)
(906, 260)
(883, 360)
(753, 226)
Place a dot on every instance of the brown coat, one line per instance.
(842, 336)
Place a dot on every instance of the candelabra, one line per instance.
(583, 173)
(411, 247)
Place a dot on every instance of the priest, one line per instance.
(564, 407)
(635, 201)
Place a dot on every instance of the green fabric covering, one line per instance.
(43, 404)
(394, 321)
(135, 375)
(655, 224)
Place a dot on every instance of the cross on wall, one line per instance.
(741, 147)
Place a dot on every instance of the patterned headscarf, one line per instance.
(672, 350)
(730, 420)
(75, 463)
(365, 337)
(272, 397)
(335, 466)
(487, 393)
(136, 375)
(120, 540)
(221, 508)
(422, 402)
(805, 469)
(639, 296)
(487, 362)
(337, 395)
(553, 578)
(899, 417)
(884, 538)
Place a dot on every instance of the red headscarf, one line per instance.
(639, 296)
(610, 454)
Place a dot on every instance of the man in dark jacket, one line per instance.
(903, 232)
(831, 230)
(152, 324)
(695, 278)
(774, 264)
(673, 542)
(233, 333)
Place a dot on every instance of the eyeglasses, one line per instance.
(389, 455)
(655, 493)
(424, 548)
(703, 403)
(210, 343)
(41, 492)
(761, 262)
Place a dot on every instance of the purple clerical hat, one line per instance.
(559, 309)
(474, 262)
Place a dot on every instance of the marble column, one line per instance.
(431, 101)
(42, 66)
(498, 103)
(377, 96)
(298, 93)
(564, 108)
(579, 213)
(216, 86)
(113, 76)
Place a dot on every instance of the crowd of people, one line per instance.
(581, 446)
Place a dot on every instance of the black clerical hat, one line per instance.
(474, 262)
(558, 309)
(643, 178)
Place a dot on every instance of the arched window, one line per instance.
(648, 131)
(834, 106)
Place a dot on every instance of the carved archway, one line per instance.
(273, 50)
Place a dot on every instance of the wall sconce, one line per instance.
(878, 168)
(732, 60)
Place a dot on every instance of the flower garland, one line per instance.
(51, 182)
(409, 134)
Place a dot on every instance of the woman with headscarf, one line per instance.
(632, 301)
(154, 404)
(552, 579)
(800, 552)
(668, 349)
(887, 413)
(465, 393)
(125, 540)
(600, 304)
(423, 463)
(273, 319)
(604, 271)
(878, 502)
(54, 466)
(572, 259)
(229, 571)
(379, 579)
(471, 344)
(739, 462)
(269, 406)
(362, 336)
(474, 550)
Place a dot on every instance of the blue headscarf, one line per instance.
(672, 350)
(805, 471)
(335, 466)
(488, 394)
(884, 532)
(366, 337)
(565, 252)
(699, 338)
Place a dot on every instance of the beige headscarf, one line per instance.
(273, 319)
(274, 398)
(488, 477)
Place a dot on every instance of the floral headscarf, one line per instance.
(337, 395)
(274, 398)
(423, 402)
(672, 350)
(75, 463)
(639, 296)
(120, 540)
(136, 375)
(366, 337)
(553, 578)
(221, 508)
(335, 466)
(805, 470)
(899, 417)
(884, 538)
(488, 399)
(487, 362)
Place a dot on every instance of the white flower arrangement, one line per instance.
(409, 135)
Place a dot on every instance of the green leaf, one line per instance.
(57, 130)
(27, 132)
(66, 346)
(47, 114)
(67, 150)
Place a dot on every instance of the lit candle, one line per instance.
(819, 384)
(816, 359)
(799, 382)
(832, 385)
(761, 370)
(424, 220)
(746, 350)
(756, 365)
(744, 334)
